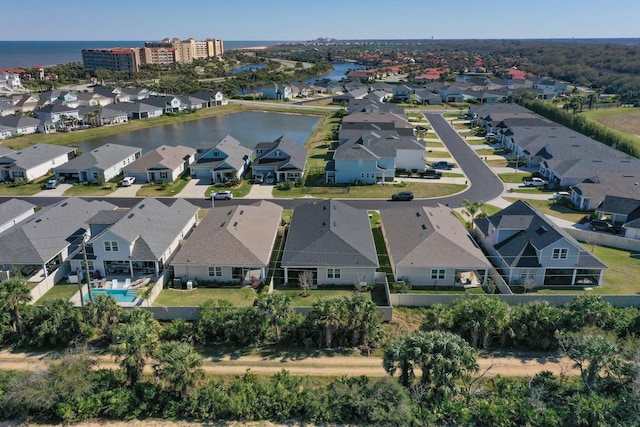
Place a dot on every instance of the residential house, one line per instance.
(14, 211)
(165, 163)
(231, 244)
(138, 110)
(331, 240)
(277, 91)
(529, 249)
(58, 113)
(7, 107)
(226, 160)
(402, 93)
(41, 243)
(93, 99)
(33, 162)
(590, 193)
(111, 116)
(280, 160)
(374, 122)
(624, 211)
(424, 97)
(169, 104)
(5, 132)
(24, 103)
(138, 241)
(213, 97)
(428, 246)
(190, 102)
(372, 158)
(20, 125)
(100, 164)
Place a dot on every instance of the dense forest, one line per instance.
(433, 370)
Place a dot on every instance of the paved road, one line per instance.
(485, 185)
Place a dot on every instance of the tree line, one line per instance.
(433, 371)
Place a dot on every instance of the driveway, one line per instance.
(194, 189)
(54, 192)
(129, 191)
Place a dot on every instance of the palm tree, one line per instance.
(14, 295)
(276, 310)
(133, 341)
(178, 366)
(398, 355)
(102, 314)
(472, 209)
(328, 314)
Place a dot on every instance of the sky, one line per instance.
(298, 20)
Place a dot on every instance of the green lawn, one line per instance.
(475, 141)
(491, 152)
(239, 191)
(438, 155)
(420, 190)
(165, 189)
(497, 163)
(86, 189)
(315, 295)
(434, 144)
(60, 291)
(381, 250)
(238, 297)
(431, 291)
(28, 189)
(513, 177)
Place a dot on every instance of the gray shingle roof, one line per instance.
(533, 232)
(151, 226)
(13, 208)
(102, 157)
(233, 236)
(35, 155)
(43, 235)
(329, 233)
(163, 157)
(430, 237)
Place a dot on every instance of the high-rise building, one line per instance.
(190, 49)
(116, 59)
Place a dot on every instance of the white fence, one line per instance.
(604, 239)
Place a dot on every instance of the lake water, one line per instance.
(249, 67)
(249, 128)
(339, 72)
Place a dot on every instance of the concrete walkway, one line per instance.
(194, 189)
(260, 191)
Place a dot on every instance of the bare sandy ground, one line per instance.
(523, 366)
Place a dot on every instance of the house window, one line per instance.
(526, 274)
(334, 273)
(164, 175)
(111, 246)
(215, 271)
(560, 253)
(95, 175)
(91, 266)
(437, 274)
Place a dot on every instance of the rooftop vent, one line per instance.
(424, 226)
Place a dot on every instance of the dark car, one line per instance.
(404, 195)
(431, 173)
(600, 225)
(442, 165)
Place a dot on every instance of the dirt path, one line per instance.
(315, 366)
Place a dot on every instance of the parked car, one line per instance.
(442, 165)
(490, 135)
(431, 173)
(535, 182)
(600, 225)
(560, 194)
(55, 181)
(223, 195)
(404, 196)
(127, 181)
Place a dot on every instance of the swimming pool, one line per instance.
(121, 295)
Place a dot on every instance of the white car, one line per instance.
(223, 195)
(560, 194)
(491, 135)
(128, 181)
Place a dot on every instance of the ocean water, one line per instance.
(29, 53)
